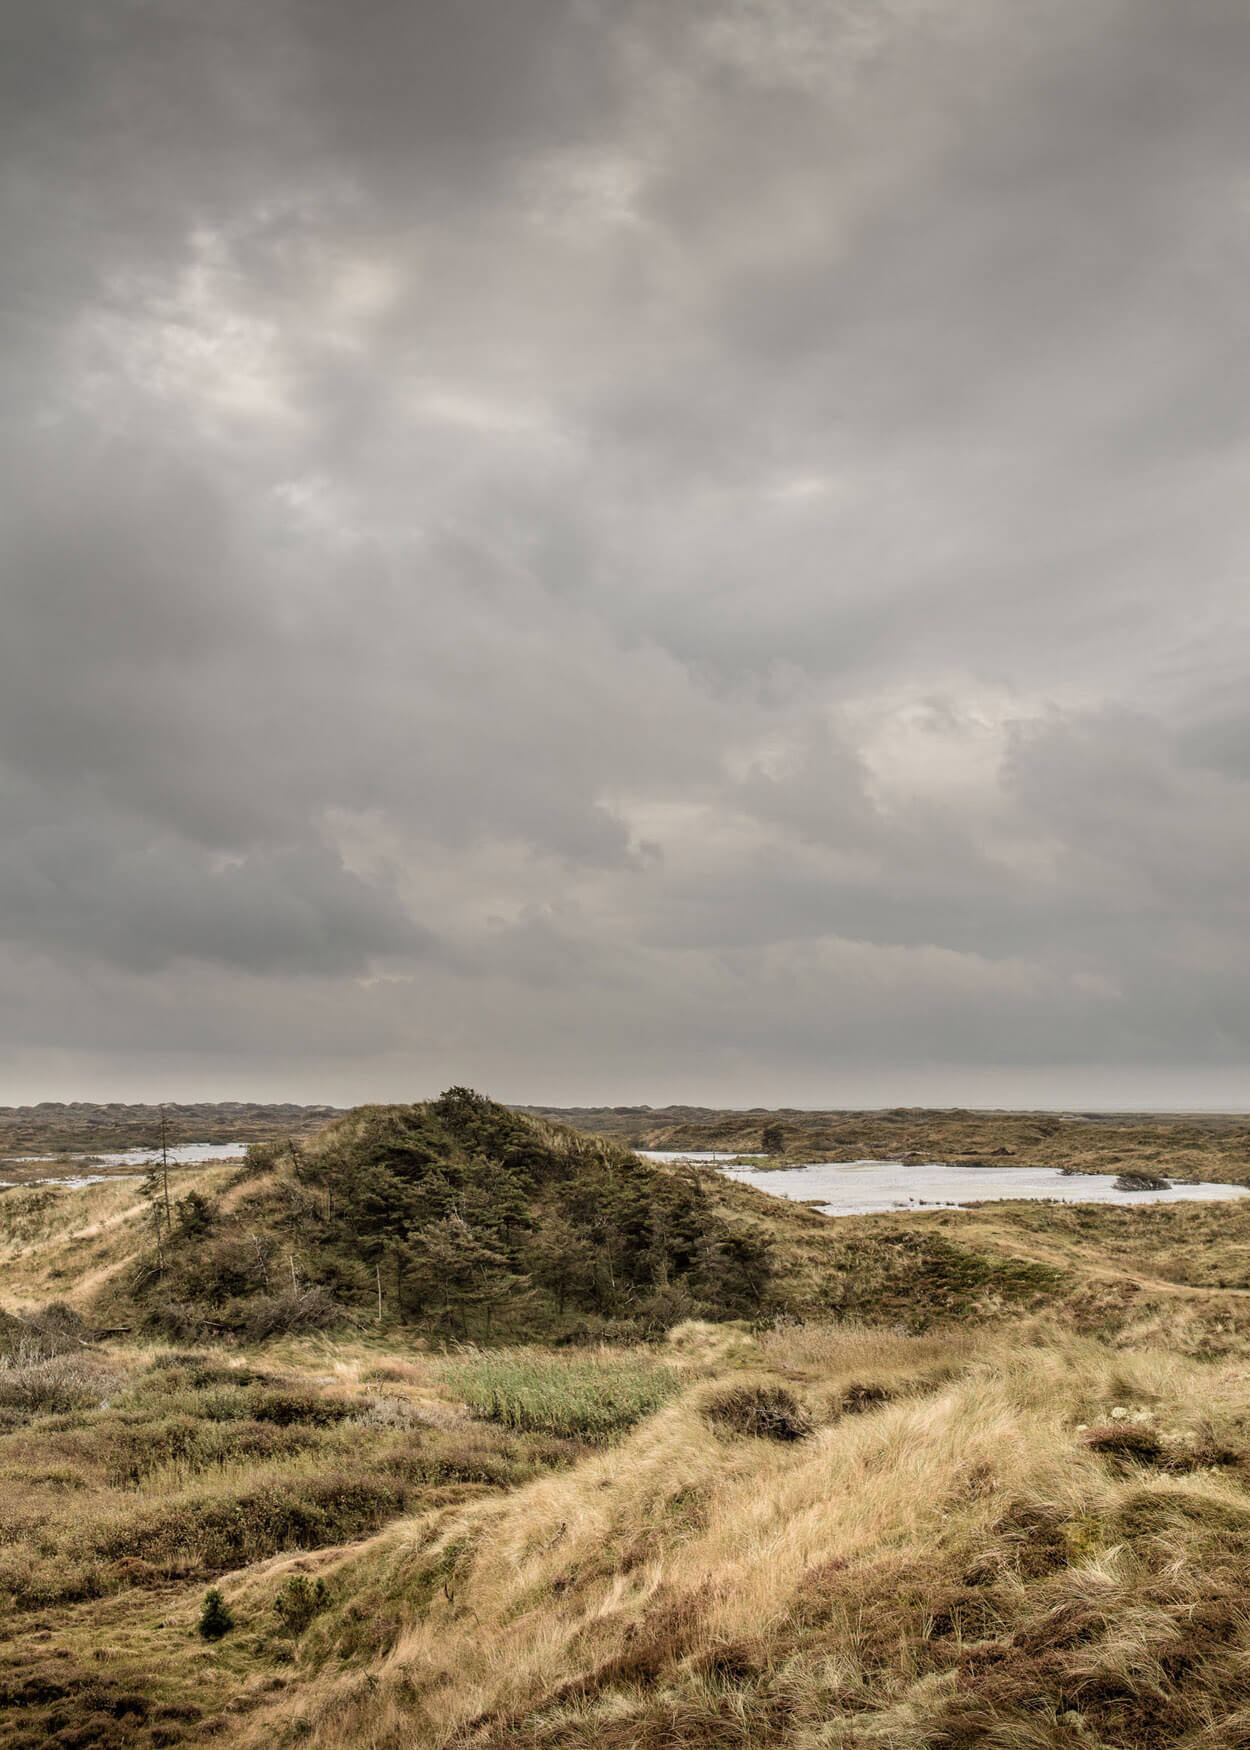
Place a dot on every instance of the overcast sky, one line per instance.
(626, 550)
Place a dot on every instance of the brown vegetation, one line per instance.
(969, 1478)
(84, 1127)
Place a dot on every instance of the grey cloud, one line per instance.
(623, 550)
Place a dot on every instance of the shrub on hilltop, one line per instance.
(461, 1217)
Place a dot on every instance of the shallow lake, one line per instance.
(869, 1187)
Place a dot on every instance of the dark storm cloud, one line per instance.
(79, 882)
(625, 550)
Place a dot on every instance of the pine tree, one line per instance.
(563, 1261)
(459, 1271)
(215, 1618)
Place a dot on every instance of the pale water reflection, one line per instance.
(74, 1170)
(870, 1187)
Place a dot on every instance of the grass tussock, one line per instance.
(762, 1409)
(574, 1396)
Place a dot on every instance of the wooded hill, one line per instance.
(458, 1215)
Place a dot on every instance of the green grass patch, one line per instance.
(578, 1397)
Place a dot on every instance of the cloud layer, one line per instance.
(626, 551)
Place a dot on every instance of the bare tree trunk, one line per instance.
(261, 1259)
(165, 1166)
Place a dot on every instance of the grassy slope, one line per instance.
(512, 1557)
(145, 1474)
(946, 1560)
(1107, 1271)
(1105, 1266)
(62, 1243)
(950, 1564)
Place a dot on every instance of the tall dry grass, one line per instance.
(683, 1574)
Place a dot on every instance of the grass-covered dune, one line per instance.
(451, 1426)
(134, 1478)
(461, 1220)
(806, 1535)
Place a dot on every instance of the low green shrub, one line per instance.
(292, 1405)
(53, 1329)
(477, 1454)
(280, 1315)
(196, 1369)
(132, 1453)
(195, 1214)
(184, 1360)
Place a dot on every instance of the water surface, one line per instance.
(182, 1154)
(869, 1187)
(696, 1156)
